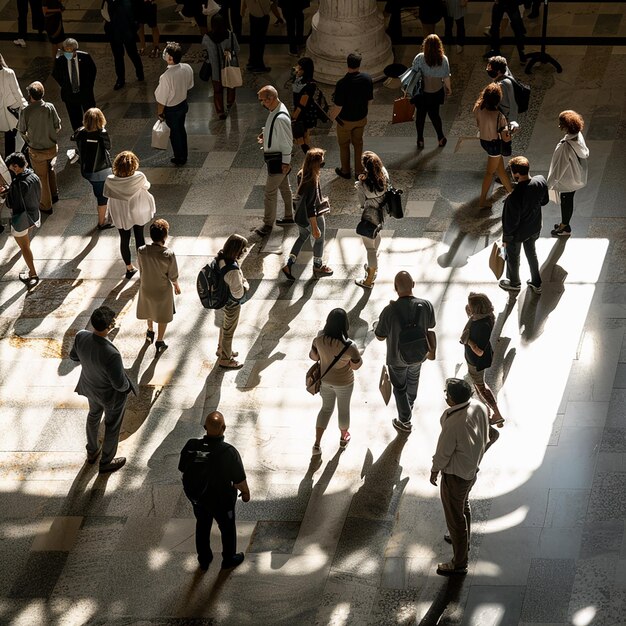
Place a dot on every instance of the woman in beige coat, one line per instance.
(159, 272)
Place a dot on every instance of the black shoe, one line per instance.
(178, 162)
(46, 211)
(160, 346)
(234, 562)
(341, 173)
(113, 466)
(118, 85)
(533, 287)
(286, 270)
(507, 286)
(55, 199)
(105, 226)
(522, 57)
(131, 273)
(204, 563)
(284, 221)
(404, 427)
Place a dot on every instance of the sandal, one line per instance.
(142, 51)
(363, 283)
(150, 336)
(496, 421)
(161, 347)
(232, 354)
(230, 364)
(344, 440)
(448, 569)
(28, 280)
(317, 450)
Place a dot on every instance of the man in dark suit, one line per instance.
(122, 33)
(76, 74)
(105, 384)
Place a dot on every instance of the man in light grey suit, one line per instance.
(104, 382)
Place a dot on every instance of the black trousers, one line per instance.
(294, 18)
(226, 522)
(567, 206)
(117, 48)
(513, 250)
(77, 108)
(428, 104)
(258, 31)
(460, 30)
(497, 13)
(175, 119)
(9, 142)
(125, 241)
(22, 16)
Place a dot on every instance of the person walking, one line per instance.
(371, 187)
(93, 144)
(352, 96)
(22, 197)
(455, 14)
(75, 72)
(231, 11)
(511, 8)
(53, 23)
(147, 16)
(568, 168)
(259, 16)
(11, 103)
(304, 116)
(277, 140)
(405, 312)
(310, 216)
(39, 125)
(476, 337)
(498, 70)
(105, 384)
(433, 75)
(228, 261)
(171, 98)
(521, 224)
(338, 357)
(220, 42)
(430, 14)
(36, 16)
(293, 12)
(121, 30)
(462, 443)
(213, 475)
(491, 126)
(159, 273)
(131, 205)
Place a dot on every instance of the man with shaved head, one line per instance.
(213, 474)
(404, 324)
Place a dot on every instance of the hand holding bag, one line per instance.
(231, 74)
(160, 135)
(403, 110)
(314, 375)
(496, 259)
(384, 385)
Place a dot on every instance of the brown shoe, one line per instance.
(113, 466)
(230, 364)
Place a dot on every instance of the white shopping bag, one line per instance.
(160, 135)
(210, 8)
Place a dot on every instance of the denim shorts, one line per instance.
(492, 148)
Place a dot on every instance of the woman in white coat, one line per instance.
(10, 98)
(131, 205)
(568, 168)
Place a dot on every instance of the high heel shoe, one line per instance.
(442, 142)
(150, 336)
(160, 346)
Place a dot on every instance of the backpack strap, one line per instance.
(269, 141)
(336, 359)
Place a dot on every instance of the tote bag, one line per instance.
(160, 135)
(231, 75)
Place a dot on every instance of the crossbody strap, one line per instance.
(336, 359)
(269, 142)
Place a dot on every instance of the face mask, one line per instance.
(492, 73)
(68, 55)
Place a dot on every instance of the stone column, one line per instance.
(343, 26)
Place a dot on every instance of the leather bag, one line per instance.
(403, 110)
(314, 374)
(496, 260)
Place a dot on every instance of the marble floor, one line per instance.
(353, 538)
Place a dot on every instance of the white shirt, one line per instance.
(282, 136)
(464, 435)
(174, 84)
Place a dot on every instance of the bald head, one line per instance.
(403, 284)
(214, 424)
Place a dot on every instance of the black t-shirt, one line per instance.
(228, 469)
(353, 93)
(480, 331)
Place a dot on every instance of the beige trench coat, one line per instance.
(158, 270)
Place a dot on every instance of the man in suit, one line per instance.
(105, 384)
(121, 31)
(76, 74)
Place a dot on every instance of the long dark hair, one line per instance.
(219, 28)
(308, 68)
(310, 172)
(433, 50)
(375, 177)
(337, 325)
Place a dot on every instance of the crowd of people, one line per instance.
(406, 325)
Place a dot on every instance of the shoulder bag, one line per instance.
(231, 74)
(393, 202)
(314, 375)
(273, 160)
(505, 136)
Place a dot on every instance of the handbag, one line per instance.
(14, 111)
(314, 375)
(160, 135)
(393, 202)
(231, 75)
(384, 385)
(273, 160)
(206, 71)
(505, 137)
(496, 259)
(403, 110)
(367, 229)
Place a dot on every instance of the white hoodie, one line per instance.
(130, 202)
(568, 168)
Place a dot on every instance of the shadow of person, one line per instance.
(446, 601)
(81, 500)
(360, 331)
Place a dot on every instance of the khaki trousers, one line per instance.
(274, 184)
(229, 325)
(456, 508)
(351, 133)
(42, 166)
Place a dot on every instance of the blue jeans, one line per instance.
(175, 119)
(404, 380)
(513, 249)
(305, 233)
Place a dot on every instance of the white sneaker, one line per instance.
(19, 42)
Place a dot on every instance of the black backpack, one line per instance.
(200, 480)
(320, 105)
(413, 345)
(393, 202)
(212, 288)
(521, 93)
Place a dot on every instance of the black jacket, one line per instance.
(521, 216)
(86, 76)
(93, 148)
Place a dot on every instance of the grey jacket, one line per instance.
(102, 378)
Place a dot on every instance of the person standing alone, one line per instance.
(171, 97)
